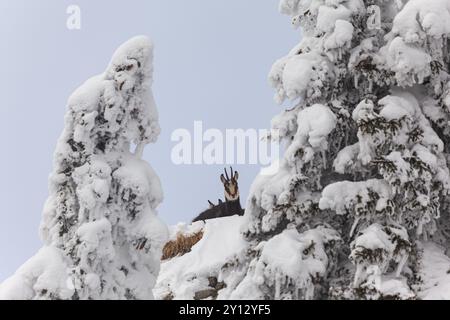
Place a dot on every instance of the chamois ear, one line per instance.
(236, 175)
(222, 178)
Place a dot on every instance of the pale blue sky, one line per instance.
(212, 58)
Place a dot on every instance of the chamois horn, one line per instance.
(226, 174)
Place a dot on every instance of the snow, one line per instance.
(395, 287)
(103, 238)
(289, 258)
(275, 79)
(91, 233)
(289, 248)
(435, 271)
(283, 252)
(410, 63)
(266, 189)
(184, 275)
(284, 125)
(139, 178)
(329, 16)
(340, 196)
(93, 183)
(290, 7)
(403, 108)
(393, 81)
(363, 110)
(87, 96)
(47, 270)
(395, 166)
(361, 51)
(417, 38)
(186, 229)
(341, 36)
(384, 245)
(300, 76)
(346, 158)
(433, 110)
(314, 125)
(374, 238)
(418, 16)
(396, 108)
(402, 103)
(138, 50)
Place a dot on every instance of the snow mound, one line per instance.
(435, 273)
(183, 276)
(47, 270)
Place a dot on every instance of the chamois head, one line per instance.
(231, 185)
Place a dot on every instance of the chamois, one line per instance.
(232, 204)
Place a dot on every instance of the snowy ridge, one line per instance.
(183, 276)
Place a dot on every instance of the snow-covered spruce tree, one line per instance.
(364, 179)
(102, 237)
